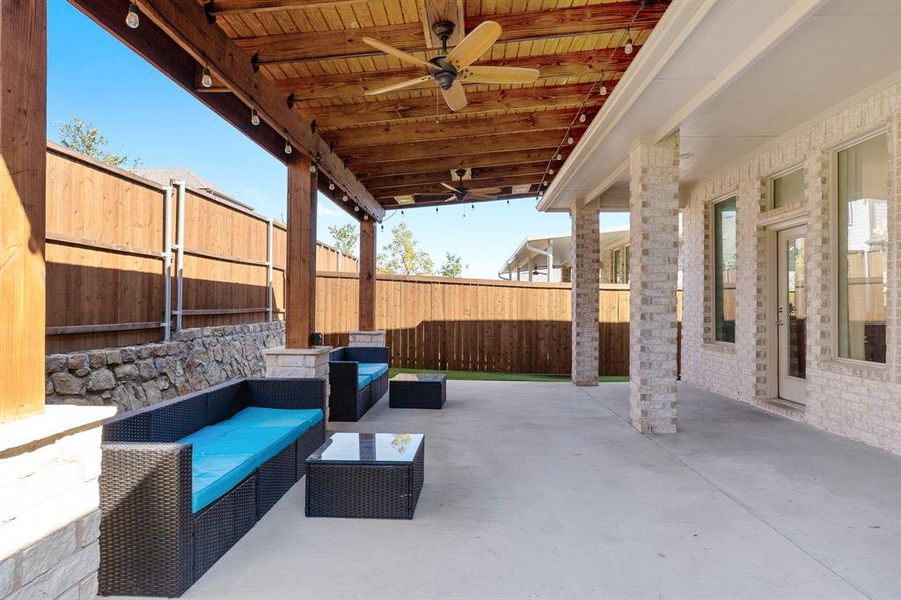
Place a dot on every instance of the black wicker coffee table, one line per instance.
(366, 476)
(417, 390)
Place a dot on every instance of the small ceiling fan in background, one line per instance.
(462, 194)
(450, 68)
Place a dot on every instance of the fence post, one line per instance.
(167, 264)
(269, 253)
(180, 255)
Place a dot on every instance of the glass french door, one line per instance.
(792, 314)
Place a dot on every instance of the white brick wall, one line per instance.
(586, 261)
(859, 401)
(654, 201)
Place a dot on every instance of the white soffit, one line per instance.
(697, 48)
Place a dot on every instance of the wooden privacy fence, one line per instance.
(129, 260)
(475, 324)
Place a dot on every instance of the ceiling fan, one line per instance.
(462, 194)
(449, 68)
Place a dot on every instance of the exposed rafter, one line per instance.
(437, 188)
(449, 163)
(226, 7)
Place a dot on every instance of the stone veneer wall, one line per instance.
(136, 376)
(857, 400)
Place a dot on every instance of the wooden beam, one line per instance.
(437, 188)
(176, 36)
(227, 7)
(300, 271)
(526, 98)
(23, 180)
(589, 63)
(489, 143)
(433, 11)
(398, 133)
(438, 200)
(517, 27)
(367, 275)
(448, 163)
(492, 173)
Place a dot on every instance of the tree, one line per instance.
(86, 139)
(403, 255)
(345, 237)
(453, 266)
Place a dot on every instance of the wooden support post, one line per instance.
(367, 275)
(23, 173)
(300, 309)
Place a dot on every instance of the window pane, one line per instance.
(788, 189)
(862, 212)
(627, 264)
(617, 273)
(726, 259)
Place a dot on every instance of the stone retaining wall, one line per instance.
(134, 376)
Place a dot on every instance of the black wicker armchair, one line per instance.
(358, 376)
(183, 480)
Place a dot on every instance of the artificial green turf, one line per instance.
(481, 376)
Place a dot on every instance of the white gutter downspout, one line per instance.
(549, 253)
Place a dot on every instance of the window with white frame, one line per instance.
(862, 237)
(788, 189)
(725, 263)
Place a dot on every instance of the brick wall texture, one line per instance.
(586, 264)
(857, 400)
(654, 200)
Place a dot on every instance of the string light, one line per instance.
(570, 140)
(365, 217)
(133, 19)
(254, 117)
(559, 156)
(206, 79)
(603, 90)
(331, 186)
(629, 47)
(313, 168)
(357, 208)
(288, 148)
(550, 171)
(582, 118)
(344, 198)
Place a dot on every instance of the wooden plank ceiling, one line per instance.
(404, 145)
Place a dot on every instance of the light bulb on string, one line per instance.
(344, 198)
(570, 140)
(331, 186)
(288, 148)
(582, 118)
(254, 117)
(629, 47)
(357, 208)
(206, 79)
(559, 156)
(133, 19)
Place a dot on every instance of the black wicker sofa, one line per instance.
(183, 480)
(358, 376)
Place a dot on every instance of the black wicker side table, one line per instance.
(417, 390)
(366, 476)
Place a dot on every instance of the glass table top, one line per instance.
(368, 447)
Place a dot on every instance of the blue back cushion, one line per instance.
(227, 452)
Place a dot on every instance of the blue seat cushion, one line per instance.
(225, 453)
(363, 381)
(375, 370)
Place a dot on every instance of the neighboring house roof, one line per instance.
(165, 175)
(562, 250)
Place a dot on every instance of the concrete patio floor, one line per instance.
(543, 490)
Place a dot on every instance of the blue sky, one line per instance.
(144, 114)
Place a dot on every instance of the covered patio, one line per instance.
(546, 491)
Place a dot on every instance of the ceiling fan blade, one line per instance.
(455, 96)
(398, 54)
(450, 187)
(499, 75)
(475, 196)
(488, 191)
(474, 45)
(450, 199)
(400, 86)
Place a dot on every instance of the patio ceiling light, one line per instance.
(206, 80)
(133, 19)
(254, 117)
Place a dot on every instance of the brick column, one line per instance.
(654, 187)
(586, 262)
